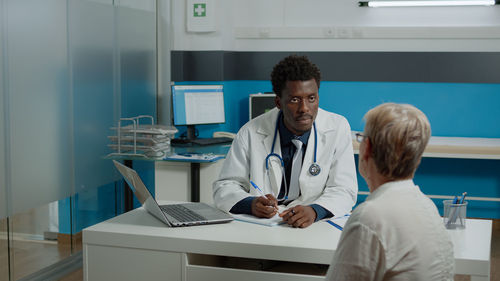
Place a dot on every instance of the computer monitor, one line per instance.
(196, 105)
(260, 103)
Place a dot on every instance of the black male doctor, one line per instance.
(296, 155)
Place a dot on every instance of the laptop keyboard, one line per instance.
(181, 213)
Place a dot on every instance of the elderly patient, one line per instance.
(397, 233)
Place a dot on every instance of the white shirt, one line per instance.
(396, 234)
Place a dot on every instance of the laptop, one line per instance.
(184, 214)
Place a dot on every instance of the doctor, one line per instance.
(296, 154)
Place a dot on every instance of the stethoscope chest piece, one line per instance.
(314, 169)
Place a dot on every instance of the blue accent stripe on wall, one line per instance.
(458, 91)
(443, 176)
(454, 109)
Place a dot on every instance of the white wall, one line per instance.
(339, 25)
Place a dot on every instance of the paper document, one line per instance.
(276, 220)
(195, 156)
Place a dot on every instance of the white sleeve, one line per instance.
(341, 188)
(359, 255)
(232, 185)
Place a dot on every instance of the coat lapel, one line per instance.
(267, 130)
(323, 133)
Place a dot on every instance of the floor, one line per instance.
(74, 276)
(30, 256)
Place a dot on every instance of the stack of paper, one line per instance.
(193, 157)
(136, 139)
(276, 220)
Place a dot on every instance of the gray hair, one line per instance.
(398, 134)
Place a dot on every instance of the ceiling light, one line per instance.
(427, 3)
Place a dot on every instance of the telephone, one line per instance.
(223, 134)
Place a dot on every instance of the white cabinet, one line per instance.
(104, 263)
(172, 180)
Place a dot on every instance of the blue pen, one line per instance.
(262, 193)
(334, 224)
(258, 189)
(463, 197)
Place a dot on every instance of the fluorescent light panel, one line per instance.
(426, 3)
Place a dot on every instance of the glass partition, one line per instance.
(36, 242)
(96, 205)
(40, 110)
(92, 54)
(4, 250)
(69, 69)
(3, 108)
(136, 44)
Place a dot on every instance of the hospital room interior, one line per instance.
(164, 86)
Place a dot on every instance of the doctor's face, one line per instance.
(299, 103)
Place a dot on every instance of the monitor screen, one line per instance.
(198, 104)
(261, 103)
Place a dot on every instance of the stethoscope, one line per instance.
(314, 169)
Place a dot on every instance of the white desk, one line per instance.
(137, 246)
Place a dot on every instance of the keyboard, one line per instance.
(209, 141)
(180, 142)
(181, 213)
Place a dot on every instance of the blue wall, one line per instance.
(454, 109)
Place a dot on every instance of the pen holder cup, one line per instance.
(454, 214)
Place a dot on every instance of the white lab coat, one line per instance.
(335, 188)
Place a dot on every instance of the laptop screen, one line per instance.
(134, 181)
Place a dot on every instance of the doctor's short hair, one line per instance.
(398, 134)
(293, 68)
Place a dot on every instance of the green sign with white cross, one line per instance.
(200, 10)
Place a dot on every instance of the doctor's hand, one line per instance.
(265, 207)
(299, 216)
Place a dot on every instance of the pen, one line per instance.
(461, 202)
(334, 224)
(261, 192)
(258, 189)
(463, 197)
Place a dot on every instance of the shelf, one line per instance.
(217, 149)
(457, 147)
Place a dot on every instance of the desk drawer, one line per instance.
(206, 267)
(104, 263)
